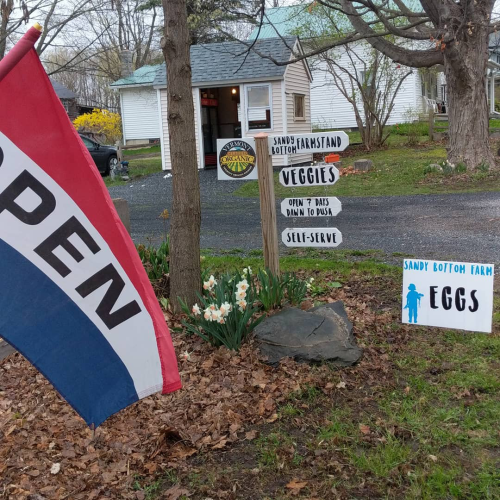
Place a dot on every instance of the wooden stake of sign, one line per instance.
(267, 203)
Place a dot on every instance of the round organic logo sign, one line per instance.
(237, 159)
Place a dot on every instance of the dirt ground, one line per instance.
(416, 418)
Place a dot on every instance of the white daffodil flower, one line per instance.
(196, 310)
(242, 285)
(225, 309)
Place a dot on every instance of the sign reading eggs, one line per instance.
(448, 294)
(236, 159)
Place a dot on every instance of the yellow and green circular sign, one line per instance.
(237, 159)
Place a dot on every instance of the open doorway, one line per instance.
(220, 119)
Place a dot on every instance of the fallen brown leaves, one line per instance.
(223, 393)
(350, 170)
(225, 396)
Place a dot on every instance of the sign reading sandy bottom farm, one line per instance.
(311, 237)
(311, 207)
(319, 142)
(320, 175)
(448, 294)
(236, 159)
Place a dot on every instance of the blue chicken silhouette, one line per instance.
(413, 302)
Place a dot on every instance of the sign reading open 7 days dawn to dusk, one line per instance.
(448, 294)
(311, 207)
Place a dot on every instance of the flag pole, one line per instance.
(20, 49)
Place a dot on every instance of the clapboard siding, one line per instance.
(330, 109)
(140, 113)
(277, 118)
(297, 82)
(167, 163)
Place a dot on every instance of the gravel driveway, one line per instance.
(463, 227)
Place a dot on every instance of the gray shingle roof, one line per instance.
(220, 62)
(62, 91)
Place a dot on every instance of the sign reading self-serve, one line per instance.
(311, 237)
(319, 142)
(448, 294)
(236, 159)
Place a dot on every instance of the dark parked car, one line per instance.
(105, 157)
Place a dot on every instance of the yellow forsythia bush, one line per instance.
(100, 121)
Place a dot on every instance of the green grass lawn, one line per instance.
(137, 168)
(398, 170)
(417, 418)
(142, 151)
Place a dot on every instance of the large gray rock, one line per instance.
(363, 165)
(323, 333)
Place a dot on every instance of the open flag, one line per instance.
(74, 297)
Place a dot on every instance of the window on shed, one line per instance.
(259, 114)
(299, 106)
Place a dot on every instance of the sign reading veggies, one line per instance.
(236, 159)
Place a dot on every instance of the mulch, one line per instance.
(47, 451)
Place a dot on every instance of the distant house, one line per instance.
(139, 106)
(68, 99)
(235, 95)
(329, 108)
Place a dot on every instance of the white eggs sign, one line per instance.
(448, 294)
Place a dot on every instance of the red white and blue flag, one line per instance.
(74, 297)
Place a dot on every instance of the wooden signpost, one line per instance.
(267, 204)
(236, 160)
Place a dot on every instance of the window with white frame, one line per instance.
(259, 114)
(299, 107)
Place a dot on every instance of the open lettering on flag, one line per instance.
(74, 296)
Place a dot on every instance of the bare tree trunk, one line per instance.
(467, 102)
(6, 7)
(185, 274)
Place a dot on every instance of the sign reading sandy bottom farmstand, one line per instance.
(448, 294)
(318, 142)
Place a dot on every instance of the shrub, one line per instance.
(432, 169)
(296, 289)
(225, 314)
(100, 122)
(417, 127)
(155, 260)
(270, 292)
(483, 167)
